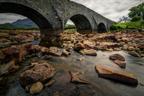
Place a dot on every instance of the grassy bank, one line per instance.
(128, 25)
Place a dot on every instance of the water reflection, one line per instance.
(98, 86)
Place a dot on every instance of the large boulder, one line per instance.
(37, 72)
(15, 52)
(118, 59)
(116, 74)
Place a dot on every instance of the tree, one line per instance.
(137, 13)
(124, 19)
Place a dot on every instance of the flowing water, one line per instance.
(97, 87)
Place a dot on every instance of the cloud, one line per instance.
(112, 9)
(9, 17)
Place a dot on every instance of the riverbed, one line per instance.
(75, 62)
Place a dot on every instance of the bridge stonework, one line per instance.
(52, 15)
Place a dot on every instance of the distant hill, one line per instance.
(20, 24)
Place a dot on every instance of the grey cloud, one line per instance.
(9, 17)
(112, 9)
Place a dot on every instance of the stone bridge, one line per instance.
(52, 15)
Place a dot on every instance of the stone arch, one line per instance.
(82, 23)
(101, 27)
(31, 13)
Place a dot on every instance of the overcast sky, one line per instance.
(112, 9)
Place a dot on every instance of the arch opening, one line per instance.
(17, 29)
(101, 27)
(31, 13)
(70, 26)
(82, 24)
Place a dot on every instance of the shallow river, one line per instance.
(97, 87)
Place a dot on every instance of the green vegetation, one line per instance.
(10, 26)
(68, 26)
(137, 13)
(136, 20)
(128, 25)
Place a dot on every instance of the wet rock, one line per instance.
(22, 53)
(56, 94)
(11, 51)
(65, 52)
(90, 52)
(37, 72)
(79, 46)
(81, 59)
(3, 81)
(44, 50)
(50, 83)
(2, 56)
(117, 57)
(125, 47)
(120, 63)
(34, 49)
(141, 46)
(4, 35)
(10, 67)
(77, 77)
(131, 48)
(134, 53)
(36, 88)
(89, 44)
(116, 74)
(55, 51)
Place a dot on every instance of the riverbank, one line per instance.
(70, 70)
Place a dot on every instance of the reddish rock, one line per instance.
(44, 50)
(77, 77)
(13, 67)
(50, 83)
(116, 74)
(117, 57)
(11, 51)
(55, 51)
(89, 44)
(34, 49)
(90, 52)
(120, 63)
(38, 72)
(10, 67)
(22, 53)
(79, 46)
(65, 52)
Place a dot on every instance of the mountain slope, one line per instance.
(20, 24)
